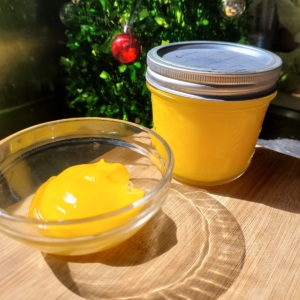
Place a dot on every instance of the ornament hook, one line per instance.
(129, 25)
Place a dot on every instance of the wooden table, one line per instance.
(236, 241)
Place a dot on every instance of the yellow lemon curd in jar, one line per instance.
(85, 191)
(213, 141)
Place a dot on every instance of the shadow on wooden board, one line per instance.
(192, 249)
(273, 179)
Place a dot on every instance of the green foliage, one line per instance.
(98, 85)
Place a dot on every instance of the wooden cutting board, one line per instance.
(236, 241)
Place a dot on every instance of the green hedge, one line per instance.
(97, 84)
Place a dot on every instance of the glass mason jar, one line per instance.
(209, 101)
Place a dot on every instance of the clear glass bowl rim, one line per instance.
(139, 202)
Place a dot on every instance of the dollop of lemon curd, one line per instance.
(85, 191)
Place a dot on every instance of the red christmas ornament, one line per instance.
(126, 48)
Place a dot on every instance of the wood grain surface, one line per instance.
(236, 241)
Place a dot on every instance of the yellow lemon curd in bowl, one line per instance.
(86, 191)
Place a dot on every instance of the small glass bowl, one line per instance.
(31, 156)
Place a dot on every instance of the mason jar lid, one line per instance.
(216, 70)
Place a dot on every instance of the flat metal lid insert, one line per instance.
(216, 69)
